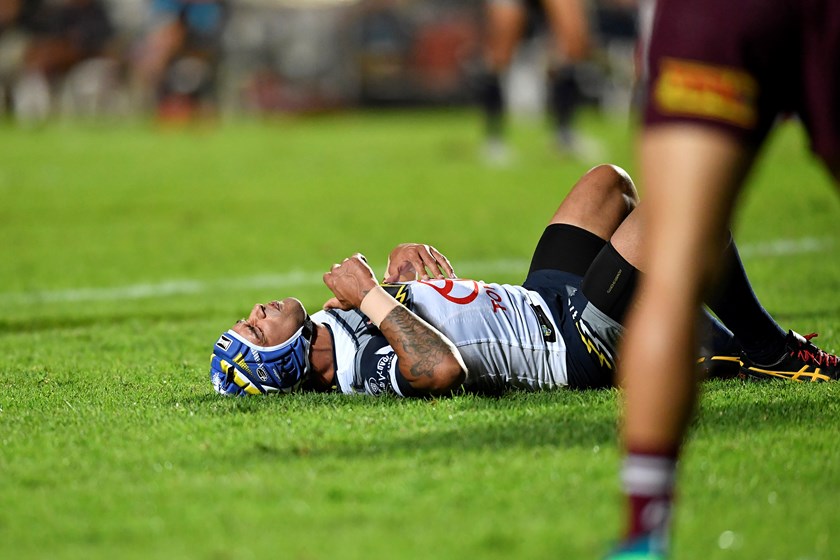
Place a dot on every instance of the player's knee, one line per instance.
(613, 181)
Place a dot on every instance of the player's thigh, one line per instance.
(692, 177)
(569, 25)
(505, 22)
(599, 201)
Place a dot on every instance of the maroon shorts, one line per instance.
(740, 64)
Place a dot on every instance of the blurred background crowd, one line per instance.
(178, 59)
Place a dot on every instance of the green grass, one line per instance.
(127, 249)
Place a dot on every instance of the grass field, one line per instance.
(126, 249)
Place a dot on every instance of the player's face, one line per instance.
(272, 323)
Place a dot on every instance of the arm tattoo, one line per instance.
(419, 347)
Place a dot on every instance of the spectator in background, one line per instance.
(54, 38)
(176, 63)
(506, 24)
(15, 18)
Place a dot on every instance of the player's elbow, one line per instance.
(446, 375)
(450, 375)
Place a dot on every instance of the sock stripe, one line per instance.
(648, 476)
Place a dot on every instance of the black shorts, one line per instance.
(561, 260)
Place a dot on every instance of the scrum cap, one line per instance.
(240, 367)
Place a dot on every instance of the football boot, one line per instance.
(719, 367)
(802, 361)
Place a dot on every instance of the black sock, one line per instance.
(564, 98)
(492, 103)
(610, 283)
(735, 303)
(715, 338)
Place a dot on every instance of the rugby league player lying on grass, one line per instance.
(426, 332)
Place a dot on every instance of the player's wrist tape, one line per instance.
(376, 304)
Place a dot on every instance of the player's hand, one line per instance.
(411, 260)
(350, 281)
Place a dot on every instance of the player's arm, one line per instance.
(408, 260)
(427, 359)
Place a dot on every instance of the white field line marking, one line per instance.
(781, 247)
(298, 278)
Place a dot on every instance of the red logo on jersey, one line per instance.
(448, 289)
(451, 287)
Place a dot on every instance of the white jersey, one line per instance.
(505, 334)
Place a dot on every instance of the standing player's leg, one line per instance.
(163, 39)
(570, 28)
(680, 250)
(569, 23)
(695, 152)
(504, 26)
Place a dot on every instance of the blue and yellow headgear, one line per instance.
(239, 367)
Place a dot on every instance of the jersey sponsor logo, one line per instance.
(706, 91)
(545, 324)
(262, 373)
(377, 383)
(224, 342)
